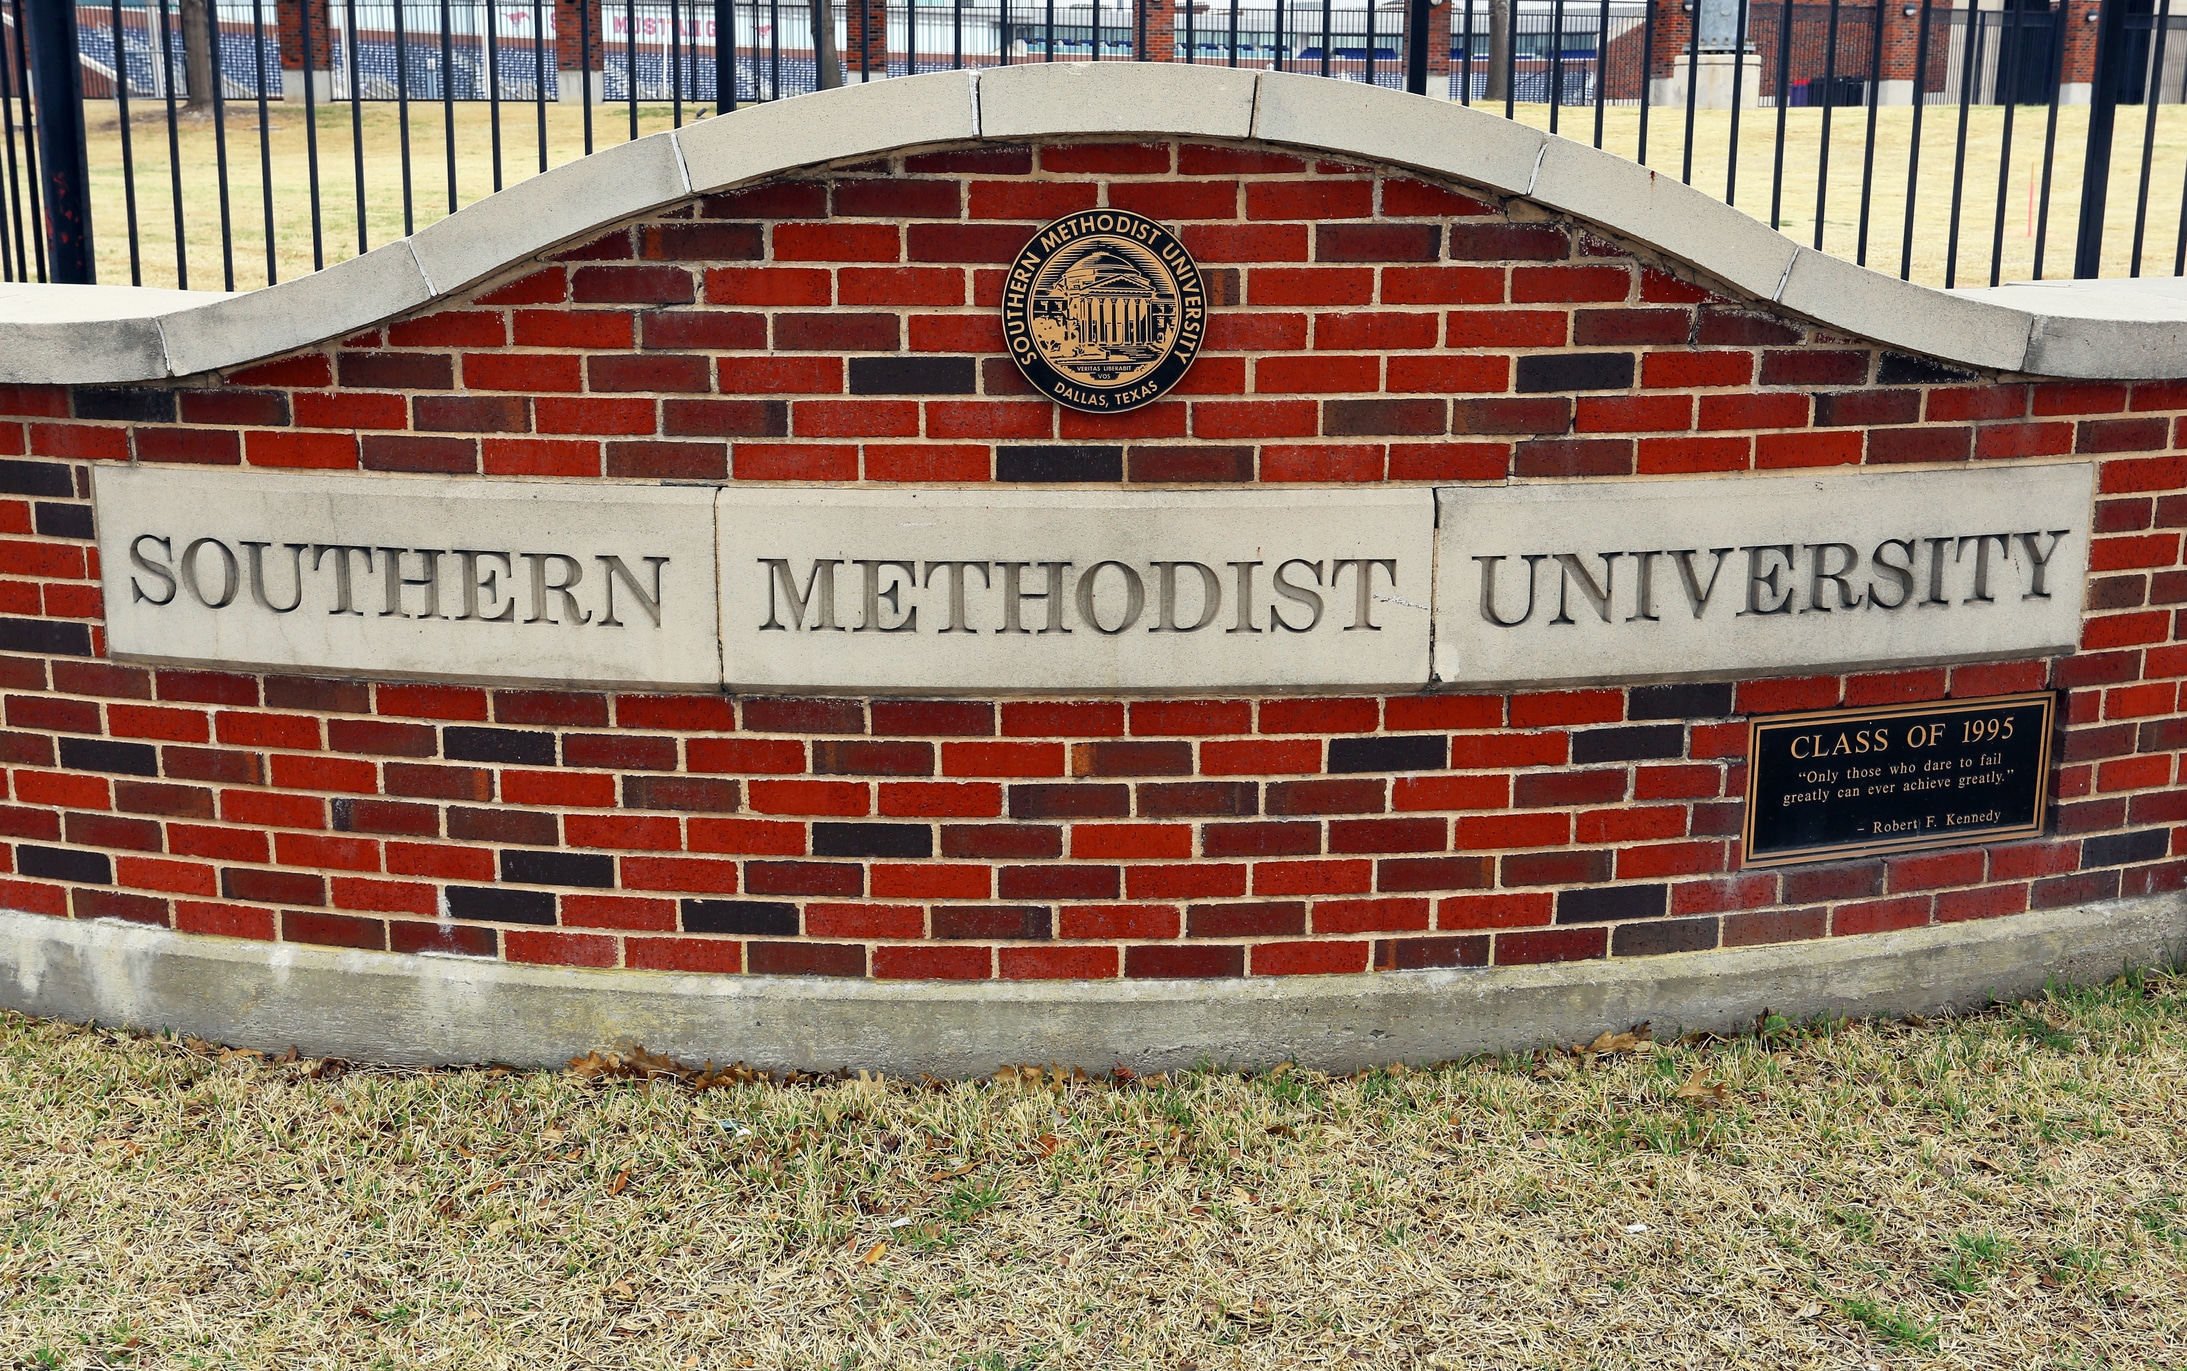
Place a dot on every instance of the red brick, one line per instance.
(2142, 473)
(1245, 242)
(793, 462)
(1574, 284)
(1681, 368)
(1919, 444)
(547, 287)
(1957, 404)
(845, 332)
(1256, 419)
(1665, 455)
(1993, 441)
(768, 286)
(1612, 327)
(966, 242)
(560, 949)
(1445, 286)
(1777, 451)
(1310, 285)
(1566, 707)
(1878, 916)
(1551, 945)
(1171, 201)
(320, 451)
(838, 243)
(1634, 413)
(593, 328)
(1309, 958)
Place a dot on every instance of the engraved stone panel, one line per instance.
(954, 590)
(1754, 576)
(533, 581)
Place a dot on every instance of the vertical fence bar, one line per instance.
(2011, 54)
(56, 78)
(1233, 32)
(585, 11)
(1511, 59)
(20, 270)
(129, 172)
(35, 197)
(1602, 67)
(956, 34)
(1192, 47)
(1647, 74)
(1556, 57)
(402, 110)
(774, 44)
(1970, 75)
(675, 65)
(1913, 151)
(1738, 78)
(1417, 38)
(630, 62)
(492, 13)
(356, 121)
(2152, 92)
(9, 192)
(174, 145)
(1784, 111)
(2059, 16)
(539, 72)
(1049, 42)
(1868, 155)
(311, 141)
(448, 97)
(1326, 8)
(2103, 108)
(220, 157)
(725, 38)
(1693, 91)
(7, 240)
(1830, 105)
(1096, 6)
(265, 134)
(1465, 58)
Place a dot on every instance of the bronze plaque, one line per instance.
(1842, 783)
(1104, 310)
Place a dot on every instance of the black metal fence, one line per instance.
(1918, 138)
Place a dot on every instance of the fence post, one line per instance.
(56, 82)
(2103, 105)
(1417, 14)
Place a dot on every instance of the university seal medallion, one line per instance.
(1104, 310)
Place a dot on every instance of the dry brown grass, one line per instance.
(1998, 1192)
(286, 152)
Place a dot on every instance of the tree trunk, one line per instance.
(198, 68)
(1499, 50)
(830, 75)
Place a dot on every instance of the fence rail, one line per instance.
(1945, 144)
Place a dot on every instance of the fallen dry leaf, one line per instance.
(1709, 1095)
(1609, 1044)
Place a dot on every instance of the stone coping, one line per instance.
(2115, 330)
(391, 1007)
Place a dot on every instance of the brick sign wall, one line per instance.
(1368, 328)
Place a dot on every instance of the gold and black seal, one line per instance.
(1104, 310)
